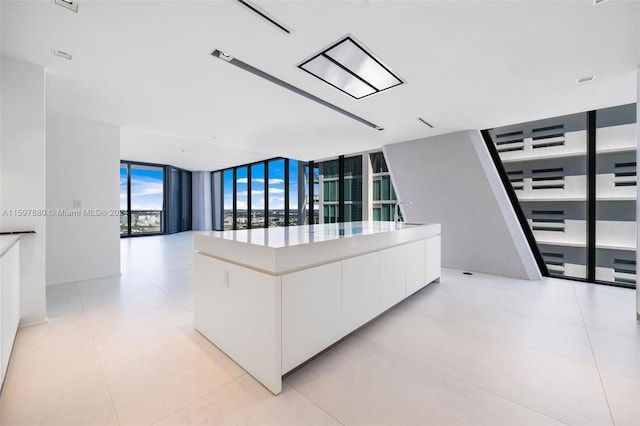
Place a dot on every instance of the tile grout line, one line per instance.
(312, 402)
(595, 361)
(501, 339)
(461, 379)
(104, 376)
(198, 399)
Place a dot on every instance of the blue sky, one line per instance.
(146, 189)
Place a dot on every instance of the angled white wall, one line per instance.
(83, 164)
(450, 179)
(22, 177)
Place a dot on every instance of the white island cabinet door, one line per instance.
(433, 269)
(311, 312)
(360, 290)
(10, 302)
(416, 264)
(239, 310)
(393, 277)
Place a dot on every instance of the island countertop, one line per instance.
(282, 250)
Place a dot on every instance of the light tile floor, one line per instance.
(474, 349)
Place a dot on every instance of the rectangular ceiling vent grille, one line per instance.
(351, 68)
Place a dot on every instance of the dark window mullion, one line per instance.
(128, 199)
(311, 194)
(249, 212)
(266, 194)
(341, 188)
(235, 199)
(591, 196)
(286, 192)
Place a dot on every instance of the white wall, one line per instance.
(83, 163)
(22, 176)
(202, 219)
(450, 179)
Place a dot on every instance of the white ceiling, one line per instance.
(146, 66)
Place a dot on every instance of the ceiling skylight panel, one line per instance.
(331, 73)
(354, 58)
(350, 67)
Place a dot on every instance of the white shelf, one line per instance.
(584, 245)
(566, 155)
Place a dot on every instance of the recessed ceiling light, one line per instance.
(425, 122)
(71, 5)
(348, 66)
(222, 55)
(255, 71)
(585, 79)
(62, 54)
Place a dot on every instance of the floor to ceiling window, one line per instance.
(242, 198)
(282, 192)
(352, 188)
(384, 195)
(228, 210)
(575, 180)
(294, 186)
(276, 192)
(616, 194)
(258, 185)
(141, 199)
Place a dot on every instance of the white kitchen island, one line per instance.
(273, 298)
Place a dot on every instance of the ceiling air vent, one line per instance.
(264, 15)
(71, 5)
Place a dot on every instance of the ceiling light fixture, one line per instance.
(70, 5)
(585, 79)
(425, 122)
(264, 15)
(61, 54)
(351, 68)
(242, 65)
